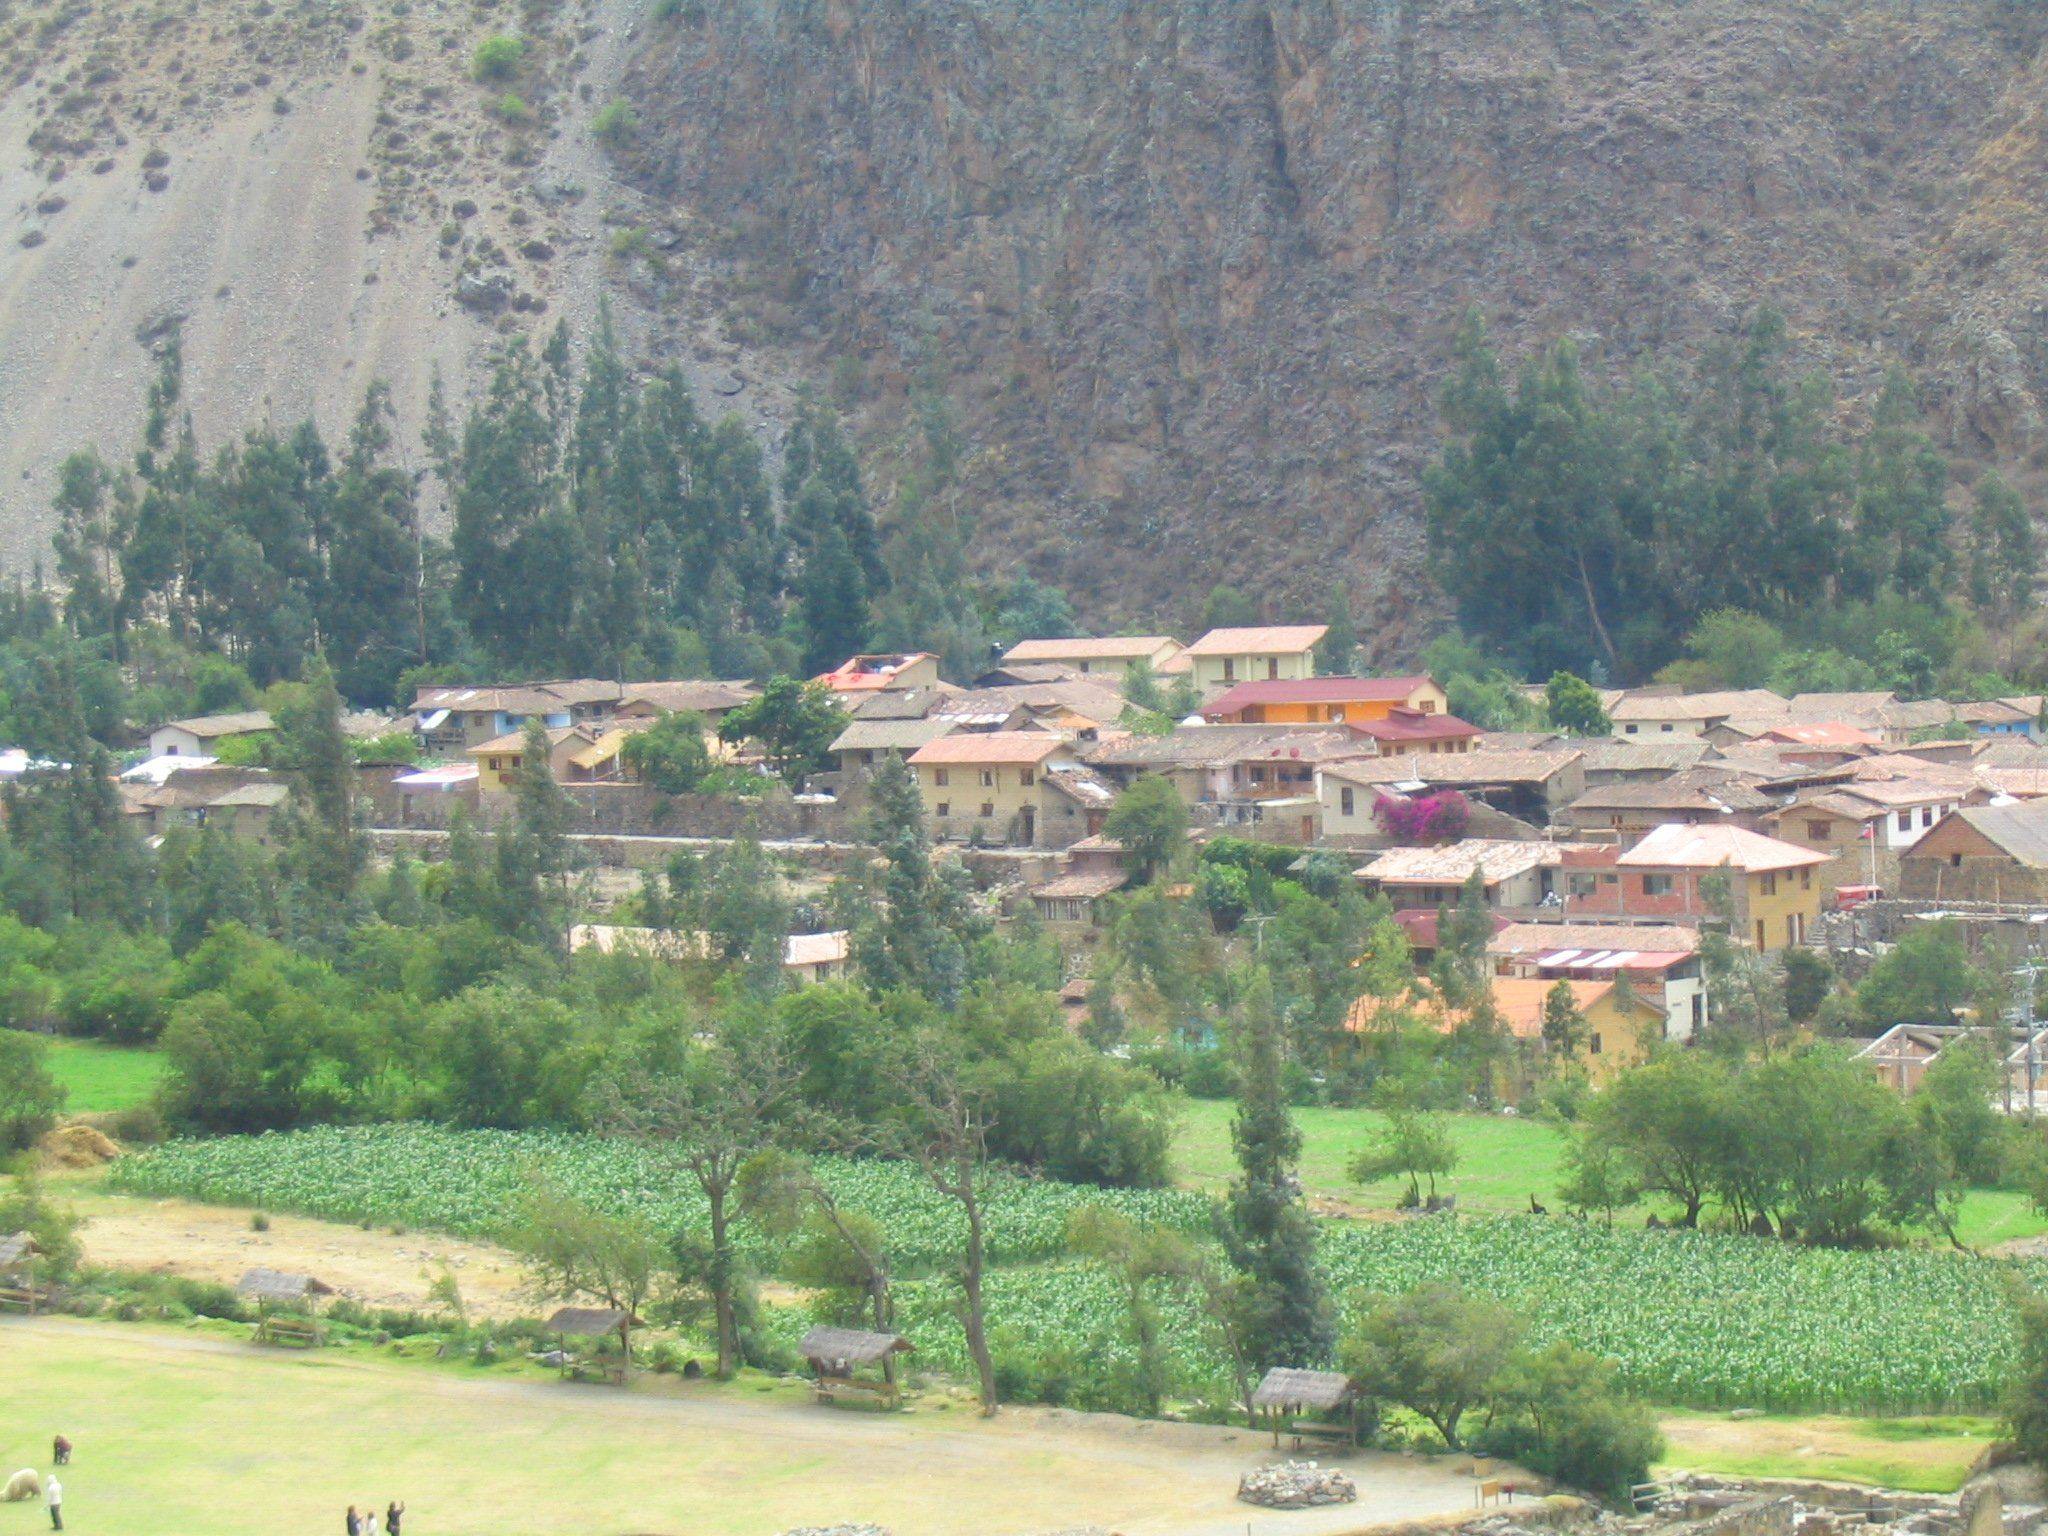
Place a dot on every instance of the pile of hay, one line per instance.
(78, 1146)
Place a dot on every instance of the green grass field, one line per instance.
(199, 1432)
(100, 1079)
(1502, 1161)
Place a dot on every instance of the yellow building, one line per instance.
(1617, 1029)
(1617, 1026)
(497, 760)
(1005, 788)
(1268, 653)
(1325, 701)
(1771, 884)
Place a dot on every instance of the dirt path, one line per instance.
(212, 1242)
(666, 1456)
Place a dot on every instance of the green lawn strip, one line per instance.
(1503, 1161)
(100, 1079)
(1930, 1454)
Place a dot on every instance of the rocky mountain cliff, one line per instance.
(1183, 272)
(1188, 268)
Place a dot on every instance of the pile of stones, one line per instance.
(1295, 1485)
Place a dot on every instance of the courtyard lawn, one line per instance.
(1921, 1455)
(100, 1079)
(201, 1433)
(1503, 1160)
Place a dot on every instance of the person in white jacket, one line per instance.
(53, 1495)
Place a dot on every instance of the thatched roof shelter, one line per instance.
(1288, 1390)
(839, 1350)
(590, 1322)
(17, 1248)
(268, 1285)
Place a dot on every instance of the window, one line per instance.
(1926, 815)
(1593, 1044)
(1582, 885)
(988, 809)
(1760, 941)
(1792, 929)
(1347, 802)
(988, 778)
(1905, 821)
(1657, 885)
(1955, 861)
(945, 809)
(1628, 730)
(939, 780)
(1767, 883)
(1272, 669)
(1666, 729)
(1817, 830)
(1806, 878)
(1230, 669)
(1024, 777)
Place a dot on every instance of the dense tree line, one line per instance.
(1590, 526)
(599, 524)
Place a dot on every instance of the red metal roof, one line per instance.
(1414, 725)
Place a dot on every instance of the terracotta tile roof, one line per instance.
(208, 727)
(1648, 704)
(1019, 748)
(512, 741)
(1517, 1000)
(1480, 766)
(1697, 789)
(1259, 640)
(1081, 887)
(1628, 755)
(1711, 847)
(890, 735)
(1519, 939)
(1204, 746)
(1453, 863)
(2019, 830)
(690, 694)
(1822, 733)
(1083, 648)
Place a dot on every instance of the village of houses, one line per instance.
(1833, 818)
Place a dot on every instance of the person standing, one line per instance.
(355, 1522)
(370, 1521)
(391, 1518)
(53, 1495)
(60, 1451)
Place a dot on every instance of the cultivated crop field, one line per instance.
(469, 1182)
(1692, 1318)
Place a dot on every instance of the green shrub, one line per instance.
(615, 122)
(512, 108)
(497, 58)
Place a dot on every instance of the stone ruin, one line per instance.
(1295, 1485)
(1697, 1505)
